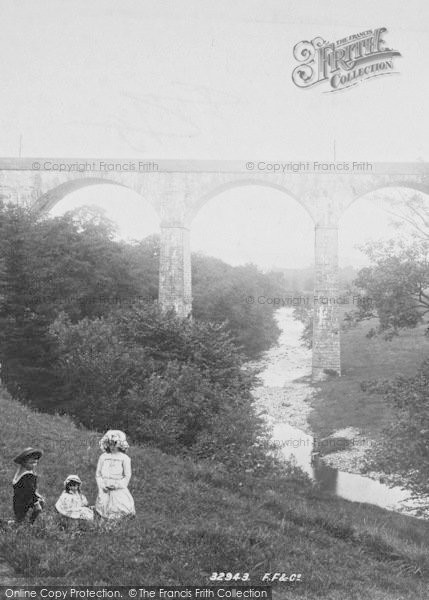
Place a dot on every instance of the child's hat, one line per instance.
(114, 436)
(74, 478)
(27, 453)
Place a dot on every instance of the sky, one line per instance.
(196, 79)
(256, 226)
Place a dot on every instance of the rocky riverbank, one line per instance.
(285, 397)
(292, 404)
(287, 392)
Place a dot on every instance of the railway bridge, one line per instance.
(178, 189)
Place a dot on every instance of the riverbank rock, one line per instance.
(352, 458)
(288, 404)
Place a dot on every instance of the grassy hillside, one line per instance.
(193, 520)
(340, 402)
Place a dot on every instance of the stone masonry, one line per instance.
(178, 189)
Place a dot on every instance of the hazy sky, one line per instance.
(200, 79)
(249, 224)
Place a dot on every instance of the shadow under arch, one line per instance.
(229, 185)
(50, 198)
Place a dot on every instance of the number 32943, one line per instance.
(229, 576)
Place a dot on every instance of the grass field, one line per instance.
(193, 520)
(340, 402)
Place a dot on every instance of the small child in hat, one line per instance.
(72, 503)
(26, 498)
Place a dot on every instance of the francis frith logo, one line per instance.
(343, 63)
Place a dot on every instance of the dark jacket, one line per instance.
(24, 495)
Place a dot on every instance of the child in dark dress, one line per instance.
(26, 499)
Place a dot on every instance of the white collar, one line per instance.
(20, 474)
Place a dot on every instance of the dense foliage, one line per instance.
(221, 293)
(47, 266)
(404, 450)
(241, 296)
(73, 264)
(394, 288)
(395, 292)
(76, 338)
(175, 384)
(304, 313)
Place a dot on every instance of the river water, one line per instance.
(284, 397)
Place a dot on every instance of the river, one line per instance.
(285, 397)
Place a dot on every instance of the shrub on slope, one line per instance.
(181, 386)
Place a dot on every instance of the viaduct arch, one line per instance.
(178, 189)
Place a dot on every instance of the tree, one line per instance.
(176, 384)
(73, 264)
(25, 347)
(409, 213)
(219, 294)
(80, 267)
(223, 293)
(70, 264)
(395, 291)
(404, 449)
(305, 313)
(143, 259)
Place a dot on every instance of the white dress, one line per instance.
(74, 506)
(114, 469)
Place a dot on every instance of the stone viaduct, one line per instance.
(178, 189)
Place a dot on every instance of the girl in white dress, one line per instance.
(72, 503)
(113, 475)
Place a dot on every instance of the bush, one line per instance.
(70, 264)
(304, 313)
(404, 450)
(179, 385)
(221, 292)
